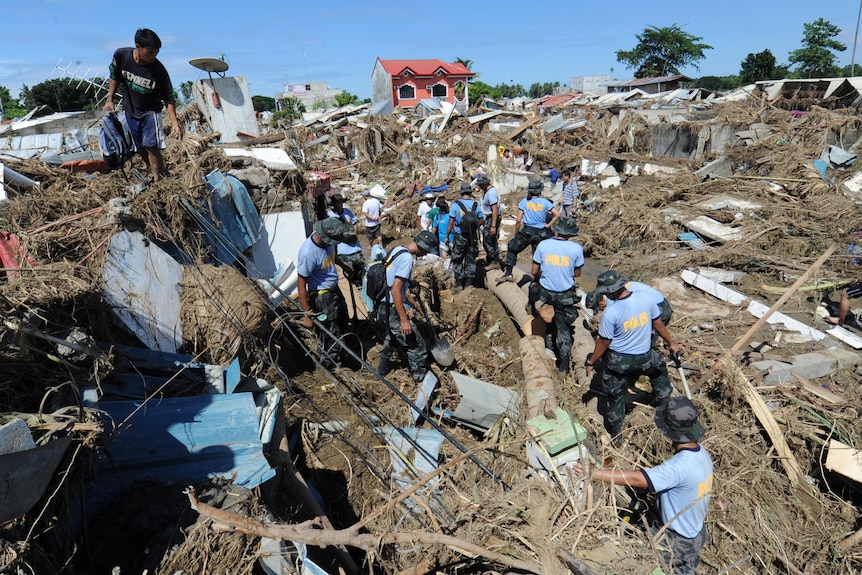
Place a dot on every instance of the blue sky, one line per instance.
(277, 43)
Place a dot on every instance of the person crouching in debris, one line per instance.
(683, 484)
(146, 91)
(556, 263)
(317, 285)
(464, 220)
(350, 257)
(401, 334)
(850, 292)
(531, 226)
(625, 352)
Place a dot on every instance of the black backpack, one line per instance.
(115, 141)
(376, 286)
(469, 221)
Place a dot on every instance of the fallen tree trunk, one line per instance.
(538, 382)
(309, 532)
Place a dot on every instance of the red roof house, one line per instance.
(406, 82)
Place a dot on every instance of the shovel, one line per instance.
(679, 366)
(441, 349)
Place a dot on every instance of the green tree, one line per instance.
(716, 83)
(756, 67)
(9, 106)
(510, 91)
(816, 58)
(539, 89)
(848, 72)
(346, 98)
(663, 51)
(479, 89)
(186, 92)
(467, 63)
(293, 109)
(263, 103)
(62, 95)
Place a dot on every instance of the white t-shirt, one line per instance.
(371, 208)
(424, 208)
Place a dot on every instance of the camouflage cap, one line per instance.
(610, 281)
(330, 230)
(427, 242)
(677, 420)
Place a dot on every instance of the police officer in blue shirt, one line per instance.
(532, 225)
(624, 349)
(317, 284)
(556, 263)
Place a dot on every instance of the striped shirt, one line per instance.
(570, 193)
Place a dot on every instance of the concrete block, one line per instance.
(808, 365)
(720, 168)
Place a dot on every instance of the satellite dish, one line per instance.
(210, 65)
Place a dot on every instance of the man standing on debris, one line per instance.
(372, 209)
(317, 283)
(556, 263)
(570, 194)
(625, 352)
(532, 225)
(146, 91)
(466, 246)
(425, 204)
(490, 204)
(341, 212)
(401, 334)
(683, 484)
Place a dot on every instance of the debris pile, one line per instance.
(370, 472)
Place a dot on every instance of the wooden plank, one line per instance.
(844, 460)
(814, 389)
(520, 129)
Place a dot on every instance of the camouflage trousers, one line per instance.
(619, 372)
(528, 236)
(489, 242)
(412, 346)
(464, 252)
(683, 555)
(353, 266)
(331, 303)
(559, 336)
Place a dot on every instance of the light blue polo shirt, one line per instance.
(317, 265)
(489, 198)
(400, 266)
(633, 287)
(558, 259)
(628, 323)
(345, 249)
(458, 214)
(684, 478)
(535, 211)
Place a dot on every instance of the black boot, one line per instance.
(507, 275)
(383, 367)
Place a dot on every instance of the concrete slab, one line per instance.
(808, 365)
(720, 168)
(722, 201)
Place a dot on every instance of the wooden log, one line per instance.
(574, 564)
(539, 384)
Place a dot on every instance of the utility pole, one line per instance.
(855, 40)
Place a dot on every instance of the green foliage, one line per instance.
(848, 71)
(346, 98)
(756, 67)
(663, 51)
(479, 89)
(716, 83)
(513, 91)
(538, 89)
(318, 105)
(9, 106)
(293, 109)
(263, 103)
(816, 58)
(186, 93)
(61, 95)
(467, 63)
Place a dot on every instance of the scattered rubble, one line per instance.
(150, 342)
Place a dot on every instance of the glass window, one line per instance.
(439, 91)
(406, 92)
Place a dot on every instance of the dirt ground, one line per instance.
(761, 519)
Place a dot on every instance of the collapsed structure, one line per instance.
(150, 342)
